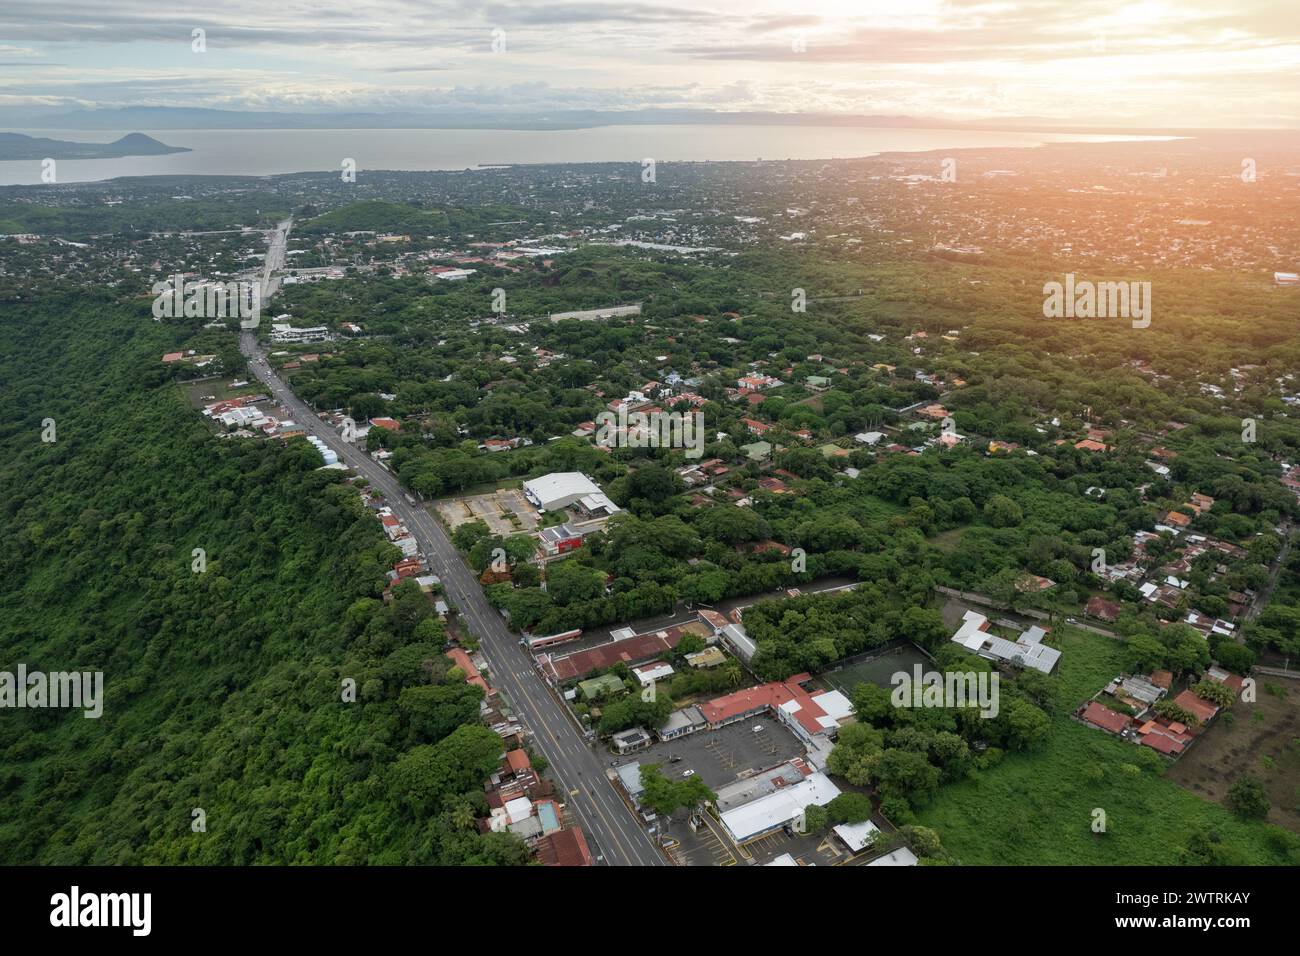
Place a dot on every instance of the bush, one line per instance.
(1247, 799)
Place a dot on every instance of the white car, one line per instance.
(757, 728)
(688, 773)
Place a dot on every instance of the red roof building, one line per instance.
(564, 848)
(1161, 743)
(1103, 717)
(1101, 609)
(517, 761)
(460, 659)
(631, 650)
(785, 696)
(1202, 710)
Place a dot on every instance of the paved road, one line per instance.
(577, 767)
(275, 254)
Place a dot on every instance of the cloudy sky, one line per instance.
(1106, 62)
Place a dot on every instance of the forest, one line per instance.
(229, 735)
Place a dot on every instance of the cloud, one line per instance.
(1197, 60)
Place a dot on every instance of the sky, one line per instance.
(1181, 63)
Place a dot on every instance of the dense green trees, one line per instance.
(227, 689)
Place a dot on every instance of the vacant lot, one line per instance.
(1262, 738)
(207, 391)
(505, 511)
(1037, 808)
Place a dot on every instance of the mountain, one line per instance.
(18, 146)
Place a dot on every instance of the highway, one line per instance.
(613, 834)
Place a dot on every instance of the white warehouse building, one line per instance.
(560, 489)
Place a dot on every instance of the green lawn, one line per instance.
(1038, 808)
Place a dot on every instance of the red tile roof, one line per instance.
(1162, 744)
(1200, 709)
(632, 650)
(1099, 607)
(564, 848)
(1102, 716)
(472, 676)
(517, 760)
(775, 695)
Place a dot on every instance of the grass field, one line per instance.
(1037, 808)
(876, 671)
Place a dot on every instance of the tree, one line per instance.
(815, 819)
(1247, 798)
(1001, 512)
(856, 752)
(850, 807)
(664, 796)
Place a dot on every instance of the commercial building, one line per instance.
(780, 808)
(814, 718)
(561, 489)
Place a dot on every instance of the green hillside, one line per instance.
(222, 689)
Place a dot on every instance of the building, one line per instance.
(1101, 609)
(1103, 718)
(634, 649)
(282, 334)
(1027, 651)
(900, 857)
(564, 848)
(682, 722)
(627, 741)
(606, 685)
(734, 636)
(813, 718)
(778, 809)
(709, 657)
(1202, 710)
(649, 674)
(462, 660)
(559, 489)
(857, 836)
(561, 539)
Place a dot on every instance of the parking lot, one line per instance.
(494, 509)
(705, 846)
(722, 756)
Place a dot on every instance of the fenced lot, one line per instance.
(877, 670)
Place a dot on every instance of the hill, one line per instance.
(15, 146)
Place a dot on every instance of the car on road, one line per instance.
(688, 773)
(757, 728)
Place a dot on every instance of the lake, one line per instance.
(269, 152)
